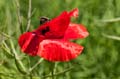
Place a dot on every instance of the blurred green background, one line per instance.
(100, 58)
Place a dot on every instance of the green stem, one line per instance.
(55, 68)
(17, 57)
(19, 16)
(39, 61)
(52, 67)
(52, 73)
(29, 15)
(7, 36)
(59, 73)
(5, 47)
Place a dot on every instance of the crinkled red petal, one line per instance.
(76, 31)
(60, 23)
(57, 50)
(57, 26)
(29, 43)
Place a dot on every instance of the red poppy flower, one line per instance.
(51, 39)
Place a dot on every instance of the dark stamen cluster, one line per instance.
(47, 29)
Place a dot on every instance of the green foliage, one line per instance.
(100, 58)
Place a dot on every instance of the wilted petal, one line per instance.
(58, 50)
(29, 43)
(76, 31)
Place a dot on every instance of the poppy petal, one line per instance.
(58, 25)
(59, 50)
(74, 12)
(76, 31)
(29, 43)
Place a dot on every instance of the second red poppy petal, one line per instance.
(76, 31)
(57, 50)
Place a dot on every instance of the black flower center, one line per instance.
(47, 29)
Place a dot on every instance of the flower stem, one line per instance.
(52, 73)
(29, 15)
(52, 67)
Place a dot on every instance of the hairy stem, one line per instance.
(39, 61)
(19, 15)
(59, 73)
(17, 57)
(29, 15)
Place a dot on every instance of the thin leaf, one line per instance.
(112, 37)
(111, 20)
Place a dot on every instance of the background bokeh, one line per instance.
(100, 58)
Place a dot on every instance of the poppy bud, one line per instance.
(44, 20)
